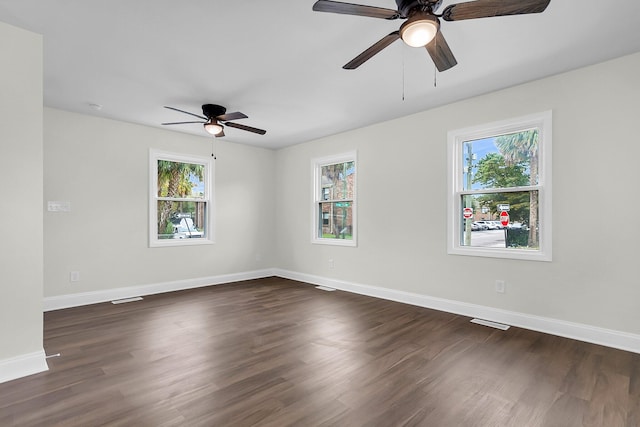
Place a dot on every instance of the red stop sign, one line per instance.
(504, 218)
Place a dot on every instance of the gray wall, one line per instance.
(102, 167)
(21, 205)
(402, 196)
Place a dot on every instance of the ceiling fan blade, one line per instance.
(375, 48)
(489, 8)
(354, 9)
(440, 52)
(244, 127)
(186, 112)
(232, 116)
(180, 123)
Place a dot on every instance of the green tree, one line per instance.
(522, 148)
(494, 172)
(173, 181)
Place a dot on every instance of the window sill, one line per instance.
(507, 253)
(335, 242)
(165, 243)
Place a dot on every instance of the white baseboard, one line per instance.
(86, 298)
(592, 334)
(22, 366)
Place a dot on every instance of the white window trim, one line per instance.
(154, 156)
(316, 165)
(543, 122)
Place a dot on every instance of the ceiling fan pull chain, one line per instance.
(435, 73)
(213, 148)
(403, 49)
(435, 77)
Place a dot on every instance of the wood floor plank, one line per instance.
(609, 403)
(275, 352)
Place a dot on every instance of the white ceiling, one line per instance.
(280, 63)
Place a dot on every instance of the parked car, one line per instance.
(183, 228)
(480, 225)
(491, 225)
(497, 225)
(486, 225)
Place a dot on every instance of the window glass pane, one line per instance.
(336, 220)
(180, 180)
(483, 227)
(337, 181)
(181, 220)
(504, 161)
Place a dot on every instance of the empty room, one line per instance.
(319, 213)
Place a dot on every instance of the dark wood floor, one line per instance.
(275, 352)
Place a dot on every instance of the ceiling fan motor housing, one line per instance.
(213, 110)
(405, 7)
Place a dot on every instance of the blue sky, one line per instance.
(198, 186)
(480, 147)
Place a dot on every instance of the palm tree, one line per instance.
(522, 147)
(173, 181)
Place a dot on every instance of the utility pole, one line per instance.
(468, 200)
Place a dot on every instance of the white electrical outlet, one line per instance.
(74, 276)
(331, 264)
(500, 286)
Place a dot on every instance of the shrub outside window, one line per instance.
(180, 208)
(334, 207)
(500, 189)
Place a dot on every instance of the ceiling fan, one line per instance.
(422, 28)
(214, 117)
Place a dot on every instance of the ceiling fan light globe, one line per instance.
(213, 128)
(419, 31)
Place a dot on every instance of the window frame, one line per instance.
(456, 139)
(317, 191)
(208, 199)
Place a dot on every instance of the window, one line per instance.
(334, 206)
(180, 208)
(500, 189)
